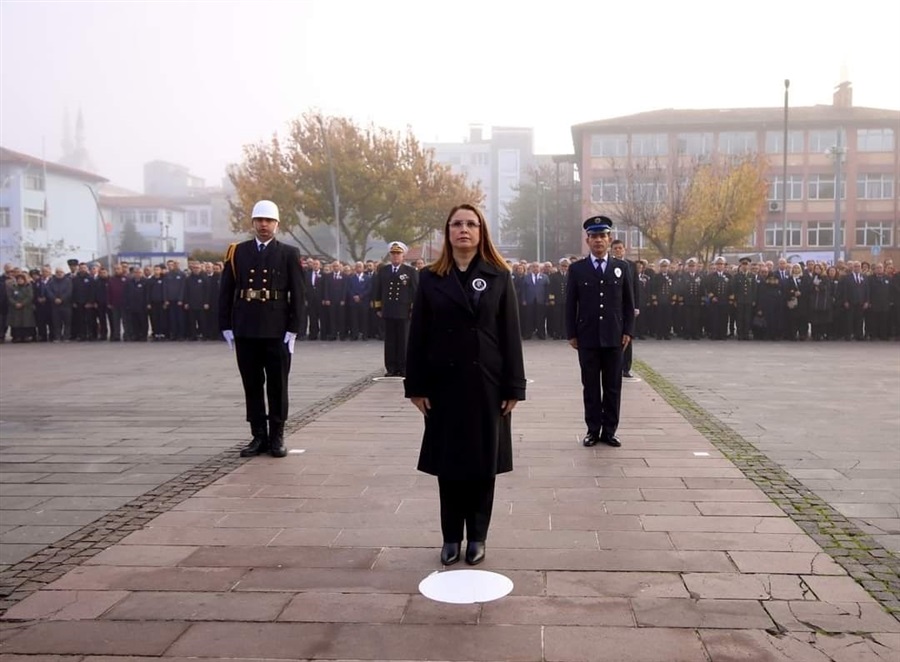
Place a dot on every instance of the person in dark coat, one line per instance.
(770, 307)
(315, 289)
(359, 287)
(59, 292)
(260, 304)
(821, 299)
(393, 294)
(662, 298)
(618, 251)
(599, 324)
(21, 309)
(196, 301)
(137, 303)
(879, 300)
(691, 293)
(465, 373)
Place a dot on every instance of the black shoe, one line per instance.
(611, 440)
(450, 553)
(627, 375)
(276, 440)
(590, 439)
(474, 552)
(259, 443)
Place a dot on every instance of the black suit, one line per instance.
(259, 322)
(599, 312)
(628, 354)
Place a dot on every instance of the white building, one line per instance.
(499, 165)
(145, 226)
(48, 212)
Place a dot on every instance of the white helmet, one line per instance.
(265, 209)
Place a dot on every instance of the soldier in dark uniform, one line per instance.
(260, 301)
(599, 324)
(82, 303)
(173, 287)
(156, 298)
(743, 291)
(196, 301)
(718, 292)
(59, 293)
(643, 324)
(136, 304)
(662, 297)
(392, 295)
(556, 304)
(315, 289)
(334, 302)
(691, 299)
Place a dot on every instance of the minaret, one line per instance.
(67, 146)
(76, 155)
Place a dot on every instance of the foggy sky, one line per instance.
(191, 82)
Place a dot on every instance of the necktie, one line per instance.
(262, 247)
(395, 269)
(600, 264)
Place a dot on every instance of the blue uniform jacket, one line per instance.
(599, 307)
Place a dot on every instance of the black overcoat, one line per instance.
(466, 358)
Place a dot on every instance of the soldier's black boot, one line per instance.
(259, 443)
(276, 440)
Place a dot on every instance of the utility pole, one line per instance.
(335, 196)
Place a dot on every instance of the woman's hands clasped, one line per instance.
(424, 404)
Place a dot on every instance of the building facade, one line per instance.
(48, 212)
(145, 228)
(800, 217)
(498, 164)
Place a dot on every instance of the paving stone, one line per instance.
(290, 557)
(714, 524)
(558, 610)
(94, 638)
(675, 612)
(361, 641)
(836, 589)
(791, 563)
(743, 541)
(199, 606)
(832, 617)
(615, 584)
(322, 607)
(107, 578)
(612, 644)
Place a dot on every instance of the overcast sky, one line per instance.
(191, 82)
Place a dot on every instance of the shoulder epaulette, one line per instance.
(229, 257)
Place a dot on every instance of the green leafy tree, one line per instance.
(388, 188)
(131, 241)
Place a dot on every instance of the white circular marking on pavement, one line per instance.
(701, 454)
(465, 587)
(296, 451)
(387, 379)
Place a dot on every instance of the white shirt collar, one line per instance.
(262, 243)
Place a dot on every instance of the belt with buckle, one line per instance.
(261, 295)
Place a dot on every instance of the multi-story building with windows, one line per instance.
(498, 164)
(48, 212)
(802, 205)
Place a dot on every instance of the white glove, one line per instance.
(229, 338)
(289, 339)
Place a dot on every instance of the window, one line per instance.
(508, 161)
(618, 233)
(611, 145)
(649, 144)
(822, 141)
(5, 220)
(34, 181)
(820, 233)
(737, 142)
(775, 234)
(605, 190)
(821, 187)
(649, 191)
(794, 190)
(147, 216)
(191, 219)
(34, 219)
(480, 159)
(35, 257)
(875, 140)
(695, 144)
(774, 140)
(637, 238)
(875, 187)
(874, 233)
(127, 216)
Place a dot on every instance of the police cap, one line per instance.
(597, 224)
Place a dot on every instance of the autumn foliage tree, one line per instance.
(388, 187)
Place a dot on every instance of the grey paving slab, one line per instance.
(821, 410)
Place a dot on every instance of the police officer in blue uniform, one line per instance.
(260, 305)
(600, 324)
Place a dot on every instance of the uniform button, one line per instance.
(601, 294)
(601, 317)
(253, 271)
(601, 305)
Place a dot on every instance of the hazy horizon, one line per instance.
(193, 82)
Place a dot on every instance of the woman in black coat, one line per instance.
(821, 300)
(465, 373)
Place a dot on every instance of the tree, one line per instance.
(726, 198)
(132, 241)
(388, 187)
(560, 226)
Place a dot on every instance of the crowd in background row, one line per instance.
(762, 300)
(751, 300)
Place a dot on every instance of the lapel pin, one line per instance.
(479, 285)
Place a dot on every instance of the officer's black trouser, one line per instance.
(601, 381)
(42, 321)
(264, 363)
(627, 357)
(469, 503)
(692, 320)
(176, 321)
(744, 315)
(663, 315)
(358, 313)
(61, 321)
(102, 323)
(195, 327)
(158, 318)
(395, 332)
(115, 322)
(138, 324)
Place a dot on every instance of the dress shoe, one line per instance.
(590, 439)
(474, 552)
(259, 443)
(276, 440)
(450, 553)
(611, 440)
(627, 375)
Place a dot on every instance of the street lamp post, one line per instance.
(109, 253)
(335, 197)
(784, 183)
(837, 154)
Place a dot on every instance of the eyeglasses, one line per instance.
(469, 225)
